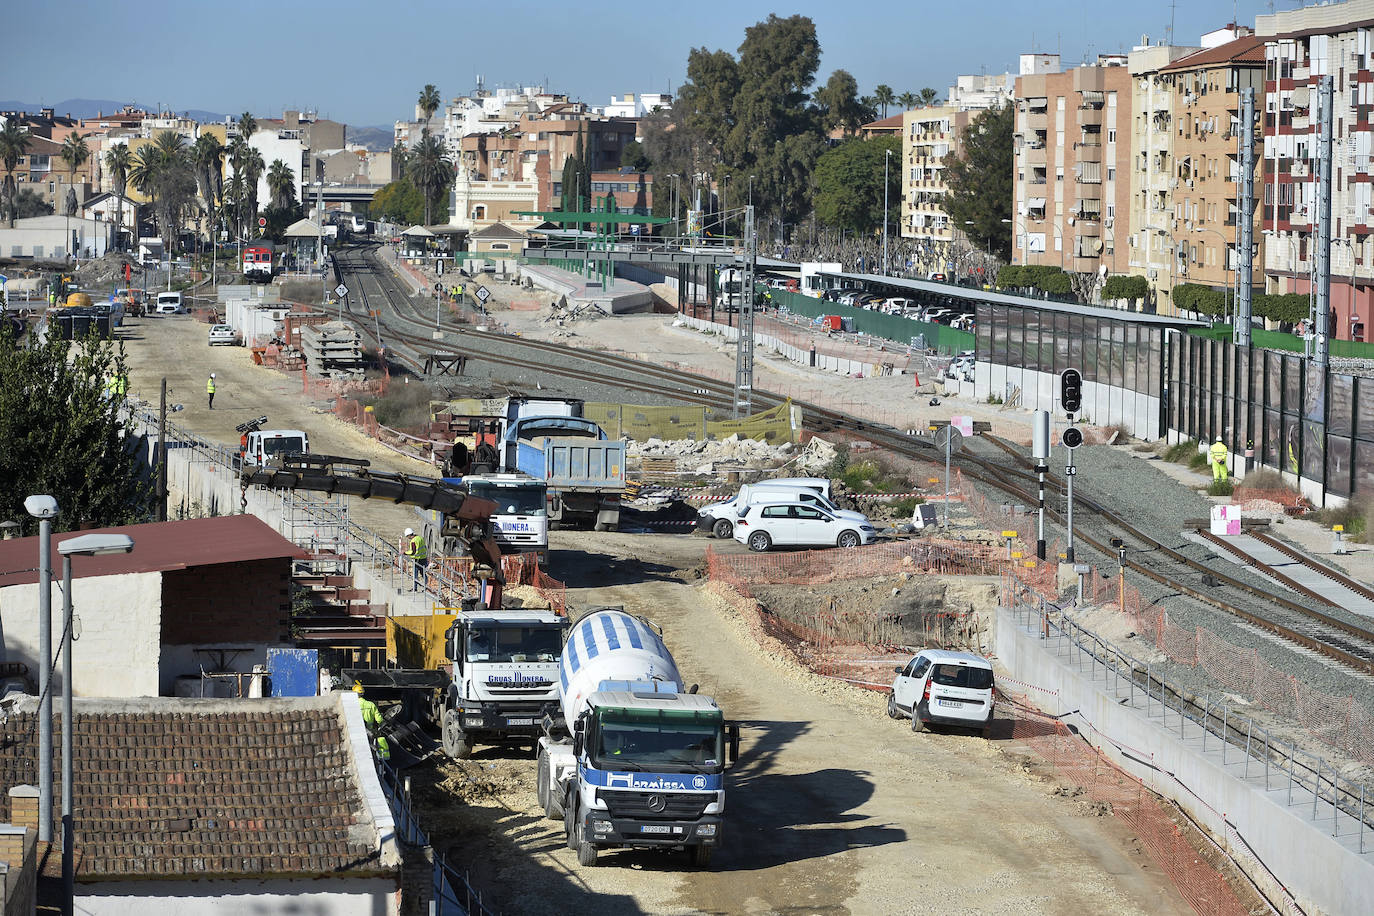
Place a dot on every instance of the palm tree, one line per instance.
(238, 151)
(907, 100)
(884, 96)
(75, 153)
(207, 153)
(253, 167)
(429, 101)
(118, 160)
(14, 145)
(144, 169)
(281, 181)
(163, 171)
(928, 96)
(248, 125)
(430, 169)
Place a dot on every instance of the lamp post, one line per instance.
(675, 177)
(887, 157)
(44, 508)
(1227, 302)
(751, 190)
(1014, 222)
(89, 545)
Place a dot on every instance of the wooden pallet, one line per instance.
(658, 467)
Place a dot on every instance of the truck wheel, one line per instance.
(544, 790)
(586, 852)
(456, 744)
(723, 529)
(601, 526)
(701, 855)
(570, 822)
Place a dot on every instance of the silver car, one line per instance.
(223, 334)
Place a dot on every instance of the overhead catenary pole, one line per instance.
(1245, 237)
(1322, 243)
(744, 344)
(68, 826)
(45, 680)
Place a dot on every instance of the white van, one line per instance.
(719, 518)
(948, 688)
(169, 304)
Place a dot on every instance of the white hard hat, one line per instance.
(409, 532)
(212, 375)
(1218, 437)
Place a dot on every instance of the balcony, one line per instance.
(1088, 151)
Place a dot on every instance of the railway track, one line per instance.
(1339, 640)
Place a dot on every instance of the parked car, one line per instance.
(764, 526)
(169, 304)
(719, 518)
(937, 276)
(945, 688)
(223, 334)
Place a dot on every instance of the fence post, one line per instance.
(1206, 707)
(1249, 724)
(1292, 748)
(1224, 710)
(1335, 801)
(1362, 818)
(1317, 789)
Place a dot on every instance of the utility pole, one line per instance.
(744, 345)
(1321, 268)
(887, 156)
(162, 455)
(1245, 237)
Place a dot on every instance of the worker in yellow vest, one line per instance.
(1219, 454)
(417, 552)
(372, 720)
(210, 389)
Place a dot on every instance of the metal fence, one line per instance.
(1283, 766)
(452, 891)
(892, 327)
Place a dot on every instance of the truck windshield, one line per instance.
(279, 444)
(656, 740)
(514, 644)
(516, 500)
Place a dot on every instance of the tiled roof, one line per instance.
(1246, 50)
(158, 546)
(266, 791)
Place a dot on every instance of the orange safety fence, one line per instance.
(450, 576)
(1117, 792)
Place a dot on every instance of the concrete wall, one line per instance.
(1323, 873)
(335, 896)
(1103, 405)
(118, 632)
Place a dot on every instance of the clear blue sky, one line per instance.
(364, 63)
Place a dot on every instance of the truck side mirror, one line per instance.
(732, 735)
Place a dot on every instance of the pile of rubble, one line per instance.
(736, 452)
(333, 350)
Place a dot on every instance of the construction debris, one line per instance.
(711, 455)
(333, 350)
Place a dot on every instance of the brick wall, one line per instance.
(227, 603)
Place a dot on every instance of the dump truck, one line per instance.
(585, 471)
(520, 523)
(637, 760)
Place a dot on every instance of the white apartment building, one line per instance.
(980, 91)
(631, 105)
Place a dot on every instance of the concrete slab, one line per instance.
(620, 297)
(1304, 576)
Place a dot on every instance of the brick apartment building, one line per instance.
(1072, 166)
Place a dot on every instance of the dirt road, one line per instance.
(833, 807)
(176, 347)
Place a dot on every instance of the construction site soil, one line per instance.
(833, 808)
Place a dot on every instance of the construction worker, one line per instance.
(372, 719)
(1218, 455)
(418, 554)
(210, 389)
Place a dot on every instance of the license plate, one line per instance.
(519, 721)
(655, 828)
(955, 703)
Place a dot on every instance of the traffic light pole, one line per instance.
(1070, 471)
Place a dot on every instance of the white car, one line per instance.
(946, 688)
(223, 334)
(764, 526)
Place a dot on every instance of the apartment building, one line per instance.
(1147, 226)
(930, 140)
(1072, 167)
(498, 173)
(632, 105)
(1205, 180)
(981, 91)
(1301, 46)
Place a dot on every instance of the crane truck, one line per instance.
(638, 761)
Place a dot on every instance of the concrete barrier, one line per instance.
(1265, 820)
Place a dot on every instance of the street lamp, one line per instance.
(1227, 305)
(887, 156)
(88, 545)
(44, 508)
(751, 190)
(1053, 228)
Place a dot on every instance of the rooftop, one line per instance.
(158, 547)
(206, 788)
(1247, 50)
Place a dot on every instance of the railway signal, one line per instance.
(1072, 437)
(1071, 391)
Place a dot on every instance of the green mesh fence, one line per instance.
(889, 327)
(1277, 340)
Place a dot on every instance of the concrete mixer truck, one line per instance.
(638, 761)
